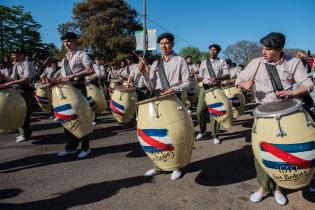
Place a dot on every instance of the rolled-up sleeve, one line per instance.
(185, 77)
(301, 77)
(249, 72)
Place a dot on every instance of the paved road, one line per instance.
(218, 177)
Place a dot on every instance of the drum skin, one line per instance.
(165, 131)
(288, 160)
(43, 97)
(112, 85)
(12, 109)
(219, 107)
(72, 109)
(98, 97)
(237, 100)
(123, 104)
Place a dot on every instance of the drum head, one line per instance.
(125, 89)
(278, 108)
(155, 98)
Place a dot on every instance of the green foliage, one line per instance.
(106, 28)
(19, 30)
(194, 52)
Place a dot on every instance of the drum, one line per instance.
(123, 103)
(12, 109)
(193, 93)
(165, 131)
(72, 109)
(112, 85)
(219, 106)
(283, 141)
(97, 96)
(236, 98)
(43, 97)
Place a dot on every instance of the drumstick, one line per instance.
(252, 81)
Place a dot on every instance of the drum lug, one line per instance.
(59, 93)
(254, 126)
(280, 131)
(307, 118)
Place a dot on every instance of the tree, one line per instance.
(243, 52)
(19, 30)
(194, 52)
(106, 28)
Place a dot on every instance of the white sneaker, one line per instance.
(84, 153)
(151, 172)
(65, 152)
(176, 174)
(216, 141)
(51, 117)
(20, 139)
(256, 197)
(200, 135)
(189, 111)
(281, 200)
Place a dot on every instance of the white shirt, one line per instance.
(219, 66)
(176, 71)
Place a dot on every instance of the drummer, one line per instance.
(176, 72)
(52, 72)
(74, 67)
(137, 79)
(290, 71)
(221, 73)
(129, 68)
(94, 79)
(23, 76)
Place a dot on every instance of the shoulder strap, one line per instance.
(67, 66)
(164, 82)
(274, 77)
(210, 68)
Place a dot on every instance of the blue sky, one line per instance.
(200, 22)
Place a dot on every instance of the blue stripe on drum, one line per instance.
(155, 132)
(293, 148)
(63, 108)
(215, 105)
(118, 105)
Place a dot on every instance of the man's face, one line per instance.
(166, 46)
(189, 60)
(70, 44)
(271, 55)
(128, 61)
(16, 57)
(213, 52)
(54, 65)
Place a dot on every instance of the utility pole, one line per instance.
(144, 27)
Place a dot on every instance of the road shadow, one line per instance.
(84, 195)
(9, 193)
(228, 168)
(235, 135)
(52, 158)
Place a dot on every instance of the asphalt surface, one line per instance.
(218, 177)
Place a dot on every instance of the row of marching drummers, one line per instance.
(164, 126)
